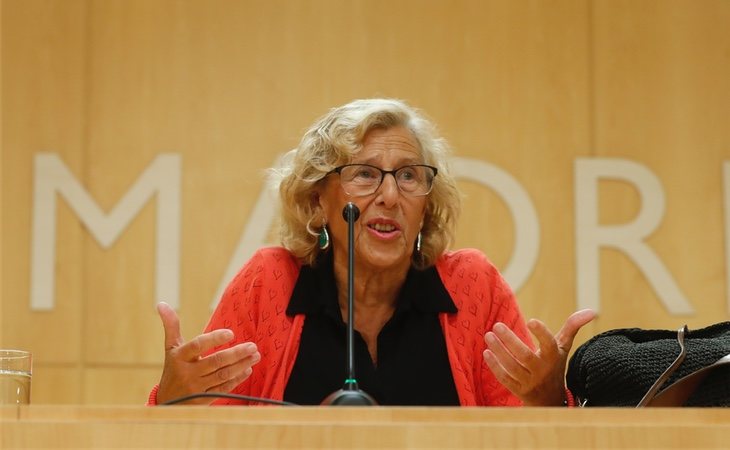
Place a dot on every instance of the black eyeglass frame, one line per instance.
(383, 173)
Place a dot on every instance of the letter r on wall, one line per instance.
(628, 237)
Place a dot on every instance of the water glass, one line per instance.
(15, 376)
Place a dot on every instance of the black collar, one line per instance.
(316, 290)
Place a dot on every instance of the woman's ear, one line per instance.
(315, 202)
(423, 216)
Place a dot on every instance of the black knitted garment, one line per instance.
(617, 367)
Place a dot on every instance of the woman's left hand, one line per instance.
(536, 377)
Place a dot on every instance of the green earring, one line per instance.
(324, 239)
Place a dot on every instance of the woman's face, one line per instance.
(389, 220)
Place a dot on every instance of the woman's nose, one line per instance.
(388, 190)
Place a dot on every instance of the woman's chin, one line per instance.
(384, 259)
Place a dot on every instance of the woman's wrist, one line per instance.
(152, 400)
(569, 399)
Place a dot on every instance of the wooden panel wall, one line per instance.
(528, 86)
(661, 72)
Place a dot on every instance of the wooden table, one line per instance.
(47, 426)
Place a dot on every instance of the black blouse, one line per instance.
(413, 366)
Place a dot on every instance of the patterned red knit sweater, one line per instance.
(254, 304)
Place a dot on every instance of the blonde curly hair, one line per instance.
(332, 141)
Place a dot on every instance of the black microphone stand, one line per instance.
(350, 394)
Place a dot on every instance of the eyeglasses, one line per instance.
(363, 179)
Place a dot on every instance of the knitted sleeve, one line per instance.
(503, 308)
(482, 298)
(253, 306)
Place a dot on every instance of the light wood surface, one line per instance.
(311, 427)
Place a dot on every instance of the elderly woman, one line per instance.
(433, 327)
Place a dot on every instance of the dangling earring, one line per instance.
(324, 238)
(418, 243)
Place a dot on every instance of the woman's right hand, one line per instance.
(187, 371)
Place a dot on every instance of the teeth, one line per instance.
(382, 227)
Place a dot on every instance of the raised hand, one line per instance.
(536, 377)
(187, 371)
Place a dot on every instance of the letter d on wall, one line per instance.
(628, 237)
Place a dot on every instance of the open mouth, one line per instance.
(383, 229)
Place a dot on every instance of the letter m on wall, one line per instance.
(51, 176)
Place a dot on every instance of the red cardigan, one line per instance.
(254, 308)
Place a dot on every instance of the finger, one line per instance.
(546, 341)
(231, 375)
(512, 343)
(226, 357)
(505, 357)
(231, 384)
(195, 348)
(499, 372)
(171, 325)
(572, 325)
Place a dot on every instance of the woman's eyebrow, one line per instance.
(399, 163)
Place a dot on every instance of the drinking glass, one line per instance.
(15, 375)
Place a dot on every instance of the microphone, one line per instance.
(350, 394)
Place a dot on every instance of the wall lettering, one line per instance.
(163, 176)
(51, 176)
(629, 238)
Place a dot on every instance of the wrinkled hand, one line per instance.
(536, 377)
(187, 372)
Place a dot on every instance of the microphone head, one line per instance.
(350, 210)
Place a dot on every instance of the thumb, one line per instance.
(572, 325)
(171, 324)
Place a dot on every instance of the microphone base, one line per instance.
(346, 397)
